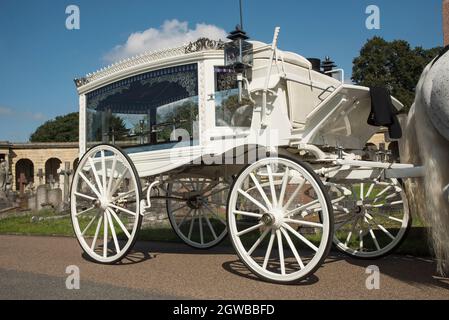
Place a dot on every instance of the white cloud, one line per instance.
(5, 111)
(172, 33)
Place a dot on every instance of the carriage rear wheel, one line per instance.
(373, 220)
(280, 219)
(196, 208)
(104, 201)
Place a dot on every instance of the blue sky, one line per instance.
(39, 57)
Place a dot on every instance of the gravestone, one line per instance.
(66, 173)
(55, 198)
(41, 196)
(40, 175)
(32, 202)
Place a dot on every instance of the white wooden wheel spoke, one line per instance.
(300, 237)
(268, 252)
(373, 236)
(103, 171)
(370, 189)
(216, 191)
(118, 182)
(281, 251)
(97, 178)
(97, 231)
(261, 192)
(84, 211)
(302, 208)
(179, 208)
(361, 235)
(340, 225)
(192, 222)
(272, 186)
(210, 226)
(304, 223)
(284, 186)
(85, 196)
(122, 209)
(91, 186)
(120, 223)
(362, 191)
(248, 214)
(293, 248)
(200, 222)
(381, 227)
(250, 229)
(348, 238)
(258, 241)
(111, 178)
(294, 194)
(89, 224)
(105, 236)
(113, 233)
(214, 214)
(185, 218)
(254, 201)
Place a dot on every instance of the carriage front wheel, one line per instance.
(373, 220)
(280, 219)
(104, 201)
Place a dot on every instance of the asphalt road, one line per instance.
(34, 268)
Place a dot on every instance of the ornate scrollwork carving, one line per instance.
(81, 81)
(204, 44)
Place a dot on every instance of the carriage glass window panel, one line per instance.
(150, 111)
(228, 111)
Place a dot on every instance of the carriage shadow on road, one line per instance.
(238, 268)
(411, 270)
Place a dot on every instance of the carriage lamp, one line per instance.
(239, 55)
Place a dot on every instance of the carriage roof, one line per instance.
(192, 52)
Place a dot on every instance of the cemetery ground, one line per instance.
(49, 223)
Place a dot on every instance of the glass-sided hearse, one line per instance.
(238, 138)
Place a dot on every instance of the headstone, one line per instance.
(22, 183)
(32, 203)
(55, 198)
(66, 173)
(40, 175)
(41, 196)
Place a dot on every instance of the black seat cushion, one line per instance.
(383, 112)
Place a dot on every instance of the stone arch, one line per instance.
(52, 166)
(26, 167)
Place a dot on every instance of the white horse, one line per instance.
(426, 143)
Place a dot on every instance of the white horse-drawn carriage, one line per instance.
(239, 139)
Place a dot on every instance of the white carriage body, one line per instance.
(304, 107)
(184, 108)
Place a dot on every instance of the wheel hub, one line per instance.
(196, 202)
(102, 203)
(274, 218)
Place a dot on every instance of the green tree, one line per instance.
(60, 129)
(394, 64)
(65, 129)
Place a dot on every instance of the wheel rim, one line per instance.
(279, 220)
(373, 220)
(199, 219)
(105, 199)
